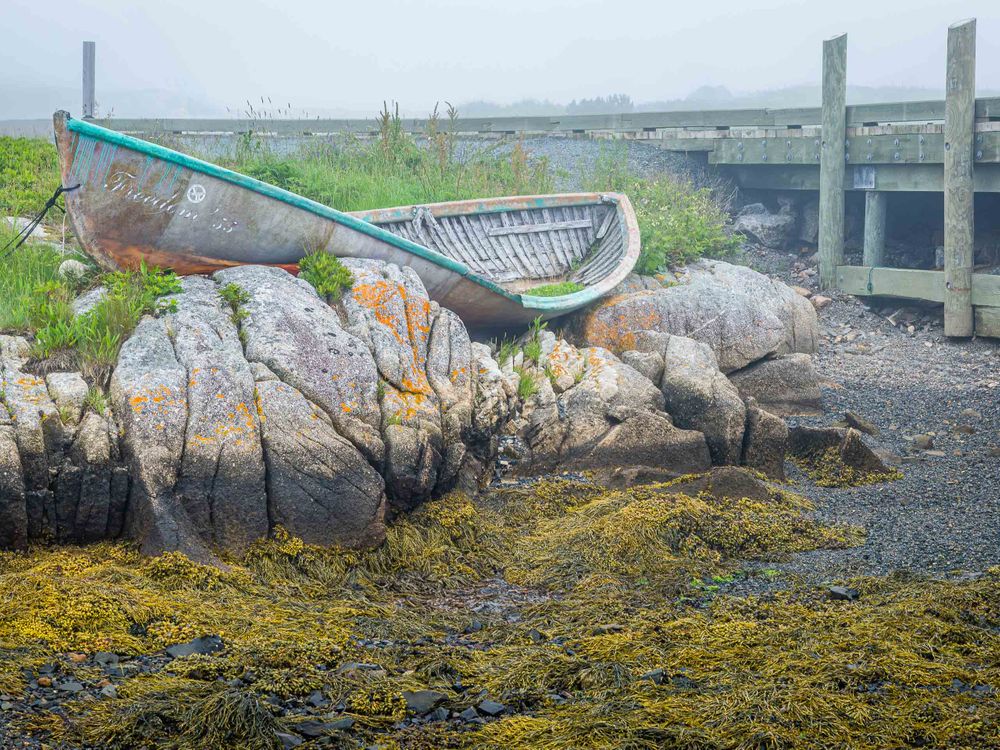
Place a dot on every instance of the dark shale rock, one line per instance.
(422, 702)
(208, 644)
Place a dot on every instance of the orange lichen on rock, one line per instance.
(613, 326)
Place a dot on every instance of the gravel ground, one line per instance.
(943, 517)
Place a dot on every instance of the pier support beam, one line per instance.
(89, 70)
(959, 134)
(831, 165)
(874, 228)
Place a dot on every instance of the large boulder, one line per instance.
(696, 393)
(608, 416)
(773, 230)
(321, 488)
(765, 442)
(301, 339)
(742, 315)
(149, 399)
(221, 474)
(786, 386)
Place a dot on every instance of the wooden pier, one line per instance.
(950, 146)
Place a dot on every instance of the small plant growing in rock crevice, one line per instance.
(533, 348)
(96, 400)
(527, 386)
(236, 297)
(326, 273)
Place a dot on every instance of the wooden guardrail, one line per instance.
(723, 119)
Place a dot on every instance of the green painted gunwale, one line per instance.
(546, 304)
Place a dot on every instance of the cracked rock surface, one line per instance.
(327, 418)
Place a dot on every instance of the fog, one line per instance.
(174, 57)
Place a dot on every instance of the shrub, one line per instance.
(326, 273)
(680, 218)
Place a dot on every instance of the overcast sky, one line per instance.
(352, 55)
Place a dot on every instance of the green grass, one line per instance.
(29, 174)
(326, 273)
(90, 342)
(24, 271)
(556, 290)
(393, 170)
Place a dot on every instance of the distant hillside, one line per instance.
(706, 97)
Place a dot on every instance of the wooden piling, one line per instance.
(831, 167)
(89, 69)
(874, 228)
(959, 134)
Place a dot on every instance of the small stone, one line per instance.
(473, 627)
(105, 657)
(935, 453)
(491, 708)
(537, 636)
(439, 714)
(6, 706)
(608, 629)
(842, 593)
(209, 644)
(342, 724)
(317, 699)
(421, 702)
(802, 291)
(819, 301)
(77, 658)
(965, 429)
(289, 740)
(971, 414)
(923, 442)
(469, 714)
(859, 423)
(994, 452)
(109, 691)
(70, 686)
(655, 676)
(44, 682)
(73, 270)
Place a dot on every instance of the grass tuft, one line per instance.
(328, 275)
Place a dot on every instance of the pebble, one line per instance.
(491, 708)
(842, 593)
(208, 644)
(421, 702)
(923, 442)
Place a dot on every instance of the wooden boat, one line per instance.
(138, 201)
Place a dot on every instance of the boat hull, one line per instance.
(134, 201)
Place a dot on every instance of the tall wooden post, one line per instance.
(874, 228)
(831, 163)
(89, 69)
(959, 134)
